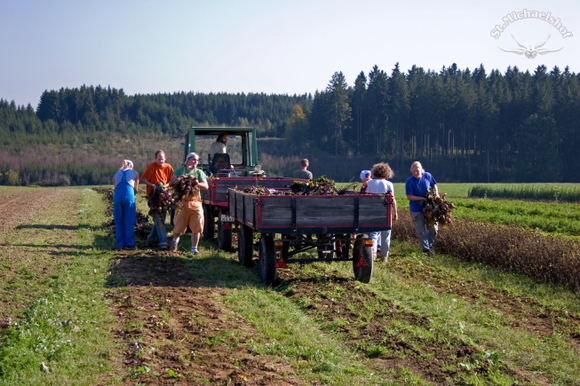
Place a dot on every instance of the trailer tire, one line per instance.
(209, 223)
(224, 239)
(245, 245)
(362, 262)
(267, 259)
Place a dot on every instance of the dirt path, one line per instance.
(22, 262)
(175, 329)
(23, 208)
(170, 319)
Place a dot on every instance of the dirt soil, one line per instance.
(15, 294)
(172, 325)
(174, 311)
(171, 321)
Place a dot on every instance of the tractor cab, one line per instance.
(240, 156)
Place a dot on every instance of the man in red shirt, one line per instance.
(156, 172)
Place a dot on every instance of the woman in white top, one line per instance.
(379, 185)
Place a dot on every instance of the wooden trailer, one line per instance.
(215, 203)
(292, 224)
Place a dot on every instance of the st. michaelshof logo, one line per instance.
(530, 50)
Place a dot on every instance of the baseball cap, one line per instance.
(365, 174)
(190, 155)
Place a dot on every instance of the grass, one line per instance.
(549, 217)
(454, 320)
(58, 338)
(560, 218)
(551, 192)
(289, 333)
(468, 323)
(462, 190)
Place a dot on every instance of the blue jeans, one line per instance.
(125, 215)
(158, 231)
(382, 241)
(425, 233)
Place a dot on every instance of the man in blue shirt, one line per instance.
(415, 188)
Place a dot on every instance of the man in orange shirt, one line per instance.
(156, 172)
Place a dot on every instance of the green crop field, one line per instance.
(550, 217)
(73, 311)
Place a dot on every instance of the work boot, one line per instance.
(172, 246)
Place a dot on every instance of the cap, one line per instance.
(190, 155)
(129, 162)
(365, 174)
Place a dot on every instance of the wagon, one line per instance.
(334, 225)
(215, 203)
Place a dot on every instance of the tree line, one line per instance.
(466, 126)
(75, 136)
(98, 109)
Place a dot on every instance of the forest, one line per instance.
(463, 125)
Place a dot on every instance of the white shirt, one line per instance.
(378, 186)
(217, 147)
(129, 178)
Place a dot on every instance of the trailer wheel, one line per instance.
(224, 236)
(209, 223)
(245, 245)
(362, 262)
(267, 258)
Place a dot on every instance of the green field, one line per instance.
(551, 217)
(549, 192)
(462, 190)
(420, 321)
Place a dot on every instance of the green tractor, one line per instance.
(238, 166)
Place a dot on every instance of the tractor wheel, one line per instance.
(209, 223)
(267, 258)
(224, 236)
(245, 245)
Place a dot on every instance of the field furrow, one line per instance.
(88, 314)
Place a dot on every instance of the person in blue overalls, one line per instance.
(124, 208)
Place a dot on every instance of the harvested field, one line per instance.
(179, 319)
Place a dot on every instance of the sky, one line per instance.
(268, 46)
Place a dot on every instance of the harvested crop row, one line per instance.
(535, 254)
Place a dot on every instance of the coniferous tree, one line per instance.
(377, 111)
(398, 105)
(340, 115)
(358, 102)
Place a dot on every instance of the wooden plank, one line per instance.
(311, 211)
